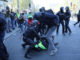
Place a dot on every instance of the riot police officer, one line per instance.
(3, 52)
(67, 19)
(28, 38)
(61, 18)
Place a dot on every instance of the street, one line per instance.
(68, 48)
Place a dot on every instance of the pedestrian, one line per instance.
(17, 17)
(13, 19)
(8, 19)
(61, 18)
(21, 22)
(78, 19)
(67, 20)
(26, 19)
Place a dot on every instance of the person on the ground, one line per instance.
(67, 20)
(78, 19)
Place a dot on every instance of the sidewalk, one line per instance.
(7, 35)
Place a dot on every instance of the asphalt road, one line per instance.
(68, 48)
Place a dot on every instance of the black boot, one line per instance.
(23, 45)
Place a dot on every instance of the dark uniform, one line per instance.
(47, 19)
(28, 38)
(3, 52)
(78, 17)
(61, 18)
(67, 19)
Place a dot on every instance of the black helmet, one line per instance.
(42, 9)
(67, 8)
(62, 9)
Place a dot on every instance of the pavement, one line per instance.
(68, 48)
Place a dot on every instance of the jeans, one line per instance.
(49, 34)
(67, 28)
(21, 27)
(13, 24)
(8, 21)
(62, 23)
(26, 24)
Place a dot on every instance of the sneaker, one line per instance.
(70, 33)
(27, 56)
(53, 52)
(56, 43)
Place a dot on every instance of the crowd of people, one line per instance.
(39, 25)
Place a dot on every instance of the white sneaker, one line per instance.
(53, 52)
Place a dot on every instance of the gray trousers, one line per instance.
(49, 34)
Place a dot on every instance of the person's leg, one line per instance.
(79, 23)
(29, 48)
(13, 24)
(26, 24)
(62, 23)
(22, 28)
(9, 24)
(49, 34)
(3, 52)
(76, 22)
(57, 31)
(68, 27)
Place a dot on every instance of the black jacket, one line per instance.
(47, 18)
(31, 33)
(2, 22)
(61, 15)
(78, 16)
(67, 15)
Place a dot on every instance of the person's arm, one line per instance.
(36, 34)
(69, 15)
(49, 15)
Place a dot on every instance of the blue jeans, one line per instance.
(21, 27)
(26, 24)
(49, 34)
(13, 24)
(8, 26)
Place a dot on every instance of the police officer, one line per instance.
(3, 52)
(28, 38)
(67, 19)
(51, 20)
(40, 17)
(61, 17)
(78, 17)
